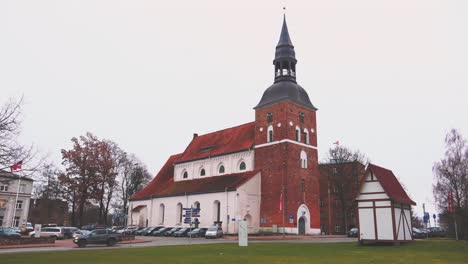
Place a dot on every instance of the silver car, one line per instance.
(214, 232)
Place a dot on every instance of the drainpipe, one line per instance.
(227, 211)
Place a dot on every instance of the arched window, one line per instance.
(270, 134)
(161, 214)
(306, 136)
(302, 185)
(221, 169)
(303, 159)
(185, 175)
(179, 213)
(242, 166)
(298, 134)
(202, 172)
(216, 211)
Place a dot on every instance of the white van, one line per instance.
(56, 232)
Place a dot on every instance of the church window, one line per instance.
(270, 134)
(298, 134)
(161, 214)
(242, 166)
(185, 175)
(337, 228)
(302, 185)
(216, 211)
(306, 136)
(321, 203)
(301, 117)
(270, 117)
(202, 172)
(221, 169)
(303, 159)
(179, 213)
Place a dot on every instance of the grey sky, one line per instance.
(390, 78)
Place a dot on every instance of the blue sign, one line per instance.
(291, 216)
(426, 217)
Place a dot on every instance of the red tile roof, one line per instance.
(221, 142)
(390, 184)
(164, 185)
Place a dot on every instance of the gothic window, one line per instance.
(270, 134)
(221, 169)
(321, 203)
(185, 175)
(298, 134)
(301, 117)
(302, 185)
(202, 172)
(303, 159)
(242, 166)
(270, 117)
(179, 213)
(161, 214)
(306, 136)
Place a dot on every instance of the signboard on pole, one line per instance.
(37, 230)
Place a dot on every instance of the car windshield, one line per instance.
(183, 229)
(196, 230)
(213, 228)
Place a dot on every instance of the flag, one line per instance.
(281, 201)
(16, 166)
(450, 203)
(336, 143)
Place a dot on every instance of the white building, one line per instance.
(11, 213)
(384, 208)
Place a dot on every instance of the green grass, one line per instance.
(433, 251)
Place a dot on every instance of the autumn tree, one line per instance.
(344, 170)
(451, 175)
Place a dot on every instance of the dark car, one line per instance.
(198, 232)
(353, 232)
(436, 232)
(172, 231)
(161, 231)
(182, 232)
(68, 231)
(418, 233)
(151, 230)
(98, 236)
(141, 231)
(8, 232)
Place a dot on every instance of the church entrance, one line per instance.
(301, 226)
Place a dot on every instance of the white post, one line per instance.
(243, 234)
(16, 201)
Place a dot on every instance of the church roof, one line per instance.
(390, 184)
(163, 184)
(286, 90)
(230, 140)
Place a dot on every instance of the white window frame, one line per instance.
(4, 188)
(306, 135)
(19, 204)
(298, 134)
(270, 139)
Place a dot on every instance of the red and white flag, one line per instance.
(336, 143)
(281, 201)
(17, 166)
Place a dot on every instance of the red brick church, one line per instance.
(265, 171)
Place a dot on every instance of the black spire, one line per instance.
(285, 86)
(285, 57)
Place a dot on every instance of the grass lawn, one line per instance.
(433, 251)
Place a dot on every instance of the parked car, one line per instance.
(181, 232)
(436, 232)
(8, 232)
(130, 230)
(418, 233)
(198, 232)
(99, 236)
(29, 227)
(353, 232)
(161, 231)
(56, 232)
(172, 231)
(140, 232)
(80, 233)
(214, 232)
(68, 231)
(151, 230)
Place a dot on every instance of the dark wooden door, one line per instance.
(301, 226)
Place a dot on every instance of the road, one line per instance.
(172, 241)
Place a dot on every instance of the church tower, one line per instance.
(286, 149)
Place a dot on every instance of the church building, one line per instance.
(265, 172)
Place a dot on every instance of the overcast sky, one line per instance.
(390, 78)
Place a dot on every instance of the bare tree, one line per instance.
(451, 175)
(344, 170)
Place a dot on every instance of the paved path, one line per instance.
(170, 241)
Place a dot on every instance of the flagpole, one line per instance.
(16, 202)
(282, 197)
